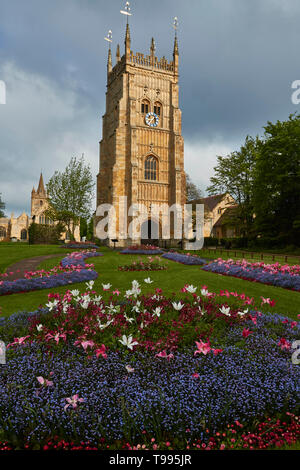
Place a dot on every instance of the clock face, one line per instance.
(152, 120)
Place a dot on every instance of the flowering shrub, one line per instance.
(152, 264)
(141, 250)
(72, 269)
(272, 274)
(184, 258)
(93, 371)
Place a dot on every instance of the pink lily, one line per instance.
(101, 352)
(284, 344)
(203, 348)
(44, 382)
(73, 401)
(165, 355)
(246, 332)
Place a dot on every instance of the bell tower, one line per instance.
(142, 149)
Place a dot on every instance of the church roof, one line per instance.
(209, 202)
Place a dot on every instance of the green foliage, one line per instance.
(49, 234)
(2, 207)
(276, 195)
(70, 194)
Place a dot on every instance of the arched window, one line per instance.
(158, 108)
(145, 109)
(23, 234)
(2, 232)
(151, 167)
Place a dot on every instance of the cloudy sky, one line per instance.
(238, 59)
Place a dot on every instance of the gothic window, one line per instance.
(24, 234)
(145, 107)
(2, 232)
(158, 108)
(41, 203)
(151, 168)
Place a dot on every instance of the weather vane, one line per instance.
(175, 25)
(108, 38)
(126, 10)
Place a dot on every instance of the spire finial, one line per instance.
(108, 38)
(118, 55)
(153, 47)
(127, 13)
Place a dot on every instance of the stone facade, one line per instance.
(141, 154)
(17, 227)
(218, 210)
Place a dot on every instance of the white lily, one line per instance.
(157, 312)
(105, 325)
(75, 293)
(243, 313)
(191, 289)
(106, 286)
(225, 311)
(204, 292)
(39, 327)
(127, 341)
(96, 300)
(148, 280)
(52, 305)
(129, 369)
(130, 320)
(177, 306)
(136, 307)
(202, 311)
(89, 285)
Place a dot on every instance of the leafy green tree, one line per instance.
(276, 195)
(234, 174)
(2, 207)
(70, 194)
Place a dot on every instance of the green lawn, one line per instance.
(171, 280)
(11, 253)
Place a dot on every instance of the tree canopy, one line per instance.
(70, 194)
(192, 190)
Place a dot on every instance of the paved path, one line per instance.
(18, 269)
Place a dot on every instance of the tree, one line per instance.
(2, 207)
(277, 181)
(234, 174)
(192, 191)
(70, 194)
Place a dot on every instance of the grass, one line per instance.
(11, 253)
(171, 281)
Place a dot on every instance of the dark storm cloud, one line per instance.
(238, 59)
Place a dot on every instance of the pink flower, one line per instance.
(44, 382)
(116, 292)
(284, 344)
(165, 355)
(203, 348)
(246, 332)
(73, 401)
(195, 375)
(101, 352)
(217, 351)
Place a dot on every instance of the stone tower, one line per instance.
(39, 201)
(142, 149)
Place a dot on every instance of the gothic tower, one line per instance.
(39, 201)
(142, 149)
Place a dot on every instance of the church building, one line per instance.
(142, 149)
(16, 228)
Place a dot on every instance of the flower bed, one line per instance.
(72, 270)
(147, 367)
(278, 275)
(184, 259)
(141, 250)
(153, 264)
(80, 245)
